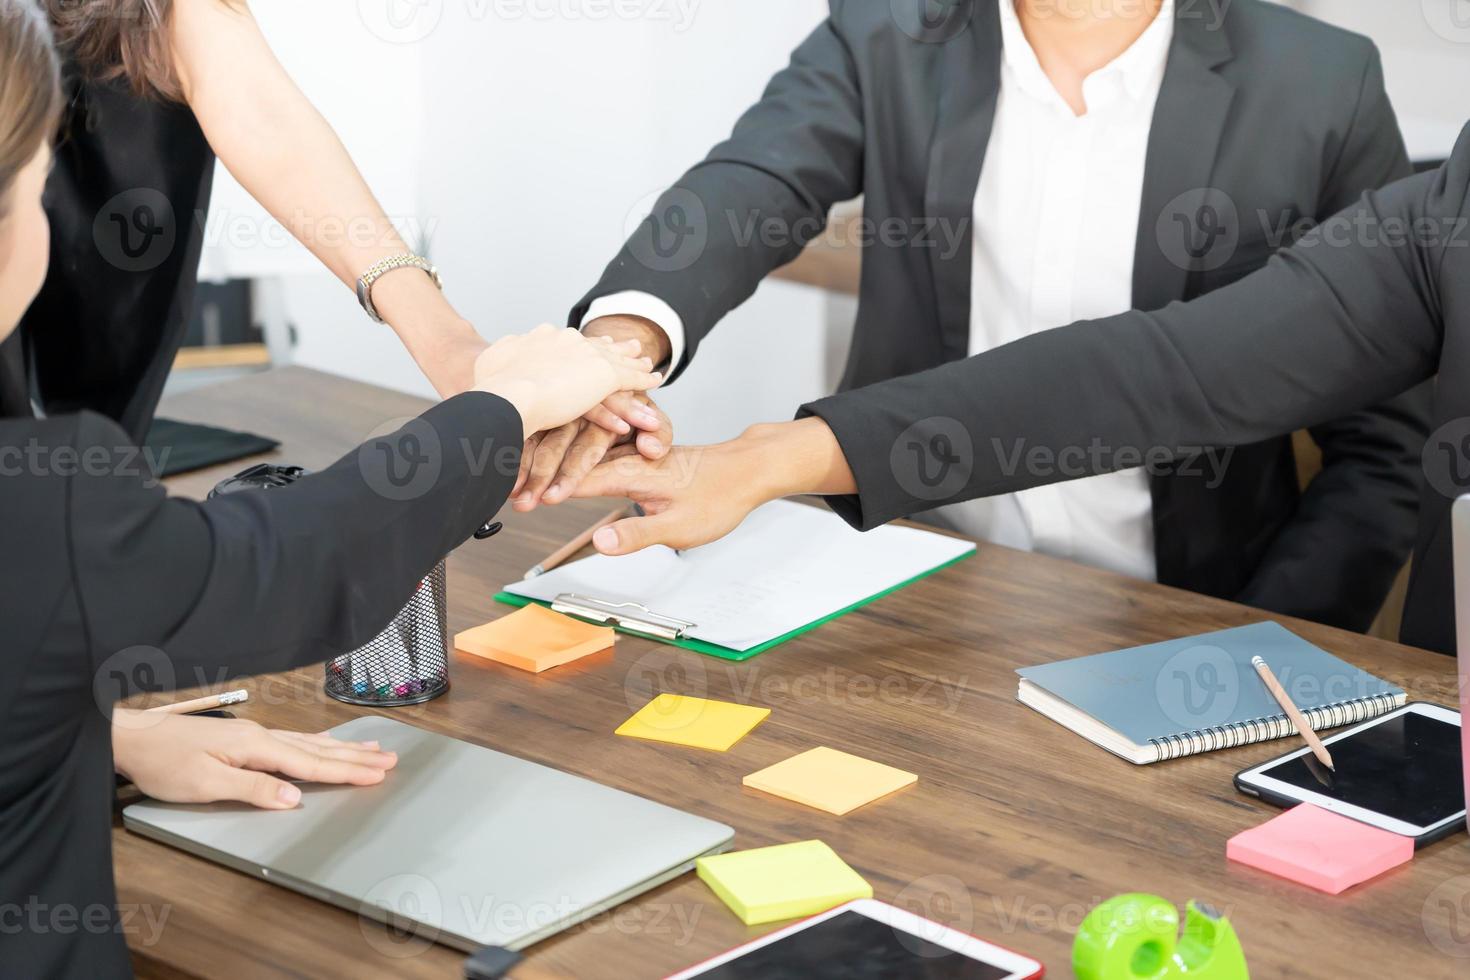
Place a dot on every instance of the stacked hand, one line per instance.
(554, 376)
(692, 496)
(557, 458)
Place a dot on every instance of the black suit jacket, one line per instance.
(110, 587)
(1267, 122)
(1375, 301)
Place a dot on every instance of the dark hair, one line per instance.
(113, 39)
(30, 89)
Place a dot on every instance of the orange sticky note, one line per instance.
(535, 638)
(1320, 849)
(830, 780)
(699, 722)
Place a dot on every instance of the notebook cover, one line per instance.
(1199, 683)
(725, 653)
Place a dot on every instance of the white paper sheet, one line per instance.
(787, 566)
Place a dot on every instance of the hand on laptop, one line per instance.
(181, 759)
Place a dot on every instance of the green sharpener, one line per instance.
(1136, 937)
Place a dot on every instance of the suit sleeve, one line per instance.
(1347, 318)
(268, 580)
(1353, 528)
(708, 242)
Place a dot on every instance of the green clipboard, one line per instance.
(725, 653)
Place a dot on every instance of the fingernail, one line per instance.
(289, 794)
(624, 428)
(524, 498)
(605, 539)
(650, 445)
(373, 745)
(552, 491)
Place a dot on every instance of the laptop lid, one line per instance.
(1461, 518)
(460, 844)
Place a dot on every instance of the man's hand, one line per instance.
(180, 759)
(693, 496)
(554, 463)
(654, 342)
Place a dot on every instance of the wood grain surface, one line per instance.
(1015, 829)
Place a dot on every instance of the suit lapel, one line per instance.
(969, 84)
(1189, 119)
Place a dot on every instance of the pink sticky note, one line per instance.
(1319, 849)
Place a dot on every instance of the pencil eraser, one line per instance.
(1320, 849)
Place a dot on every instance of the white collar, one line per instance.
(1140, 67)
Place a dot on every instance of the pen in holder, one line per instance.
(407, 663)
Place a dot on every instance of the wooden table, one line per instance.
(1014, 831)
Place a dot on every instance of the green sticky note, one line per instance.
(786, 881)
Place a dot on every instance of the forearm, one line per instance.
(756, 200)
(787, 459)
(1329, 327)
(281, 150)
(258, 582)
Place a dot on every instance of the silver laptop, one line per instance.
(460, 844)
(1460, 515)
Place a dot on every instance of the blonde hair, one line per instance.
(30, 89)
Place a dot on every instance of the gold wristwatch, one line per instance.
(381, 269)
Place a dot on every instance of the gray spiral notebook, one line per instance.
(1200, 693)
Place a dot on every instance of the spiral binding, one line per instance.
(1277, 726)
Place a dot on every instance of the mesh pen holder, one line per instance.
(407, 663)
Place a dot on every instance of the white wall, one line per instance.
(535, 136)
(522, 133)
(1426, 62)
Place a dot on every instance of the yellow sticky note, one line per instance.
(699, 722)
(782, 882)
(535, 638)
(830, 780)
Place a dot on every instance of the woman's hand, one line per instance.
(693, 496)
(553, 375)
(180, 759)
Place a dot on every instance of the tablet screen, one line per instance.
(1407, 768)
(854, 946)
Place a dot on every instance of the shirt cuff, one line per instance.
(633, 302)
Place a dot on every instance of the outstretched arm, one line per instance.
(285, 154)
(1346, 319)
(251, 583)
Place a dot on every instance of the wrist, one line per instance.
(792, 458)
(122, 740)
(654, 342)
(521, 394)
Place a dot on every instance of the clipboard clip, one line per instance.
(631, 616)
